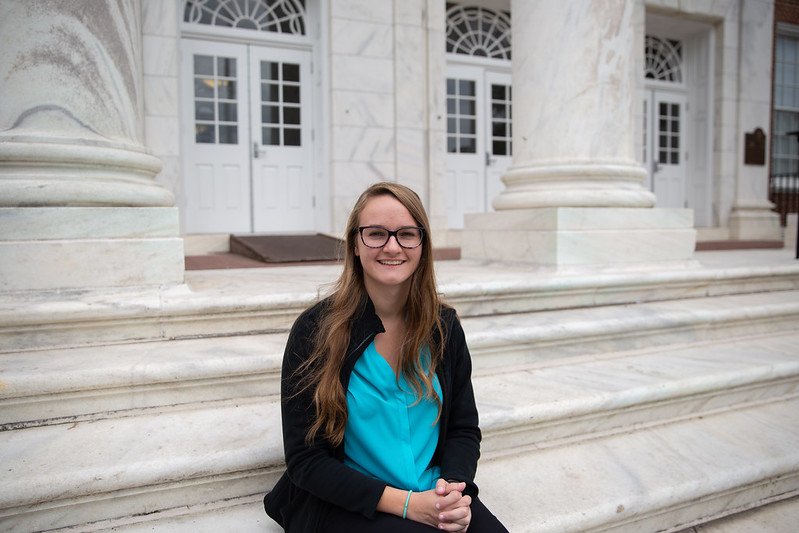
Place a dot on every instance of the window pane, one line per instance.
(452, 126)
(498, 129)
(663, 157)
(452, 145)
(204, 133)
(291, 72)
(498, 110)
(499, 148)
(291, 115)
(467, 125)
(226, 89)
(269, 92)
(270, 70)
(451, 106)
(291, 93)
(467, 107)
(226, 67)
(450, 86)
(203, 110)
(204, 87)
(228, 135)
(468, 145)
(466, 88)
(675, 158)
(497, 92)
(270, 114)
(204, 65)
(227, 113)
(270, 136)
(291, 137)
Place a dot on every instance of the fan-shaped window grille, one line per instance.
(663, 59)
(280, 16)
(477, 31)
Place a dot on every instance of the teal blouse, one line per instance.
(388, 435)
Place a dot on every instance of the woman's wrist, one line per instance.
(393, 501)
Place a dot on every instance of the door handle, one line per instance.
(489, 160)
(655, 167)
(257, 151)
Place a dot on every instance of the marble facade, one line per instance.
(380, 113)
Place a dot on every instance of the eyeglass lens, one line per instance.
(377, 237)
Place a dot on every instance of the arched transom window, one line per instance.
(279, 16)
(477, 31)
(663, 59)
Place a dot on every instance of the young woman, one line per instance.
(379, 422)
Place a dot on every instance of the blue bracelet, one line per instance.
(405, 509)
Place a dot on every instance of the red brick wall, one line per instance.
(786, 11)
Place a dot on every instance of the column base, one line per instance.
(576, 236)
(53, 248)
(755, 224)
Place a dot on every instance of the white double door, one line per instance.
(665, 149)
(479, 148)
(246, 148)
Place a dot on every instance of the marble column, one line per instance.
(574, 193)
(79, 207)
(752, 217)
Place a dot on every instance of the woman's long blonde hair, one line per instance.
(422, 320)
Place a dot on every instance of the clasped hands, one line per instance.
(445, 507)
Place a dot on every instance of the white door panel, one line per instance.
(215, 154)
(498, 132)
(665, 147)
(283, 198)
(478, 139)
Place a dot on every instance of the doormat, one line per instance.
(287, 248)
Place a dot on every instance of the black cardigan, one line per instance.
(315, 475)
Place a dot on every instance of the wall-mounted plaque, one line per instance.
(755, 148)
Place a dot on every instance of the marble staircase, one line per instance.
(634, 402)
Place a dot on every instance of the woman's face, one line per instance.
(392, 265)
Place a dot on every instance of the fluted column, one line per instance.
(72, 155)
(574, 195)
(574, 90)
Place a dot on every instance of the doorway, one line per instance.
(479, 130)
(247, 143)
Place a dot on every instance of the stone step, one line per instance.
(157, 460)
(555, 405)
(666, 478)
(107, 379)
(214, 303)
(782, 516)
(662, 478)
(74, 384)
(68, 385)
(554, 336)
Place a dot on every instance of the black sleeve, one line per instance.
(461, 449)
(315, 468)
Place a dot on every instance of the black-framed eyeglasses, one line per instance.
(378, 236)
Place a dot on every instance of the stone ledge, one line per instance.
(216, 304)
(107, 381)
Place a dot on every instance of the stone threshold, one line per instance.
(704, 246)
